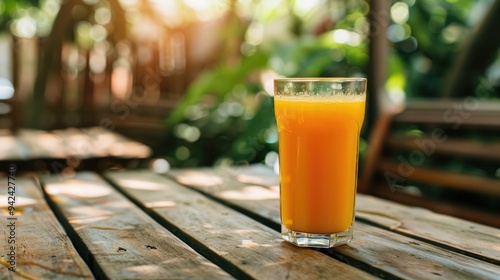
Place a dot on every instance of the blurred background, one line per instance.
(192, 79)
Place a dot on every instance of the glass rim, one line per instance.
(322, 79)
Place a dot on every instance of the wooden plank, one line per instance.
(468, 148)
(406, 258)
(11, 148)
(459, 235)
(462, 236)
(446, 208)
(255, 201)
(42, 144)
(442, 105)
(436, 118)
(490, 106)
(117, 239)
(114, 144)
(77, 144)
(446, 179)
(458, 112)
(94, 142)
(249, 248)
(42, 249)
(87, 143)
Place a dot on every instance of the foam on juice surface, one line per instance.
(338, 98)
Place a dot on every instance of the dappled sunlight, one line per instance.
(44, 141)
(256, 179)
(161, 204)
(118, 204)
(137, 184)
(275, 188)
(235, 231)
(209, 264)
(249, 244)
(199, 179)
(8, 145)
(151, 269)
(250, 193)
(87, 220)
(20, 203)
(7, 142)
(76, 188)
(87, 214)
(172, 260)
(129, 149)
(87, 211)
(207, 225)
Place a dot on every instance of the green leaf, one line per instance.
(251, 140)
(219, 82)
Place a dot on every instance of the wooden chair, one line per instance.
(440, 155)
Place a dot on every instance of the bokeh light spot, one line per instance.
(160, 166)
(400, 12)
(102, 15)
(24, 27)
(182, 153)
(6, 89)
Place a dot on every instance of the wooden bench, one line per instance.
(66, 150)
(222, 223)
(441, 155)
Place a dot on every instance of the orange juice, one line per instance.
(319, 137)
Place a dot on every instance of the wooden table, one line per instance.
(92, 148)
(219, 224)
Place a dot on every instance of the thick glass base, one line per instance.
(303, 239)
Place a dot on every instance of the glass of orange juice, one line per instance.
(319, 122)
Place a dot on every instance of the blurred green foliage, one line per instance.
(234, 118)
(327, 40)
(9, 9)
(426, 44)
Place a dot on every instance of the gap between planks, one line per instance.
(224, 186)
(131, 259)
(211, 227)
(413, 222)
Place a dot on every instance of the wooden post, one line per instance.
(379, 19)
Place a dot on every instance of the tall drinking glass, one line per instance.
(319, 121)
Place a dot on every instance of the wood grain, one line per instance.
(367, 251)
(406, 258)
(117, 239)
(246, 247)
(466, 230)
(43, 250)
(466, 237)
(256, 201)
(459, 235)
